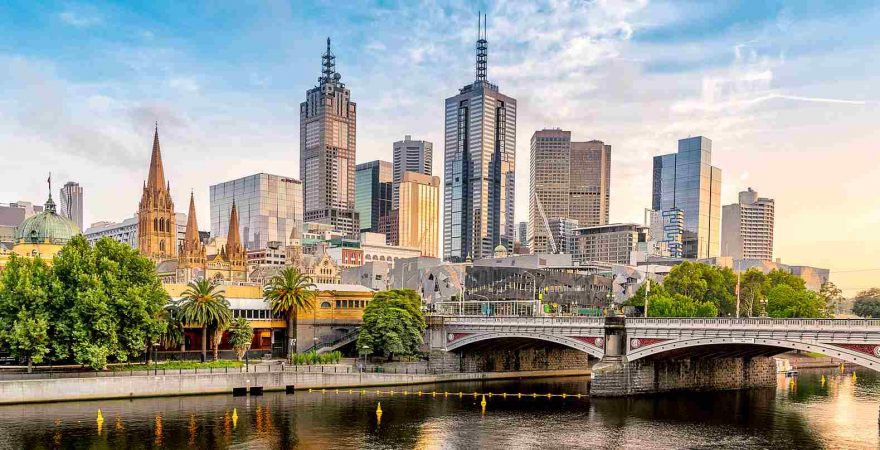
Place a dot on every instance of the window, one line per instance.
(325, 305)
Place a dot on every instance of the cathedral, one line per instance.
(188, 260)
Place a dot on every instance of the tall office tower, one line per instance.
(372, 193)
(157, 223)
(747, 227)
(418, 213)
(686, 181)
(327, 145)
(568, 180)
(410, 156)
(522, 233)
(269, 207)
(479, 167)
(72, 203)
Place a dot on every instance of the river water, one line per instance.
(840, 412)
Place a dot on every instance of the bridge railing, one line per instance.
(525, 321)
(505, 308)
(751, 323)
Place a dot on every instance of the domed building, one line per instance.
(43, 234)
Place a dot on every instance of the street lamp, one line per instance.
(365, 350)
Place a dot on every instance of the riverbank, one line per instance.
(170, 385)
(812, 362)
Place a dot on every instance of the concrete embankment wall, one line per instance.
(70, 389)
(647, 376)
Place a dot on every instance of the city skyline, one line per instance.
(746, 76)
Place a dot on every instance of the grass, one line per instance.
(176, 365)
(814, 355)
(316, 358)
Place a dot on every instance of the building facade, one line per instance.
(126, 232)
(612, 243)
(269, 207)
(687, 182)
(568, 180)
(157, 223)
(418, 213)
(328, 121)
(375, 248)
(71, 195)
(479, 168)
(564, 234)
(410, 156)
(747, 227)
(373, 187)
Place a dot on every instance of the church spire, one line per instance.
(156, 178)
(192, 226)
(233, 238)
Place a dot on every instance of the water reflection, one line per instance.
(839, 412)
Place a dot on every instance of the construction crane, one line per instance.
(550, 239)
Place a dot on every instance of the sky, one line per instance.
(787, 91)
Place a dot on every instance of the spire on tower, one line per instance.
(192, 226)
(233, 238)
(50, 204)
(156, 177)
(482, 47)
(328, 63)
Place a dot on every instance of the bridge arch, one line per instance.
(567, 341)
(846, 354)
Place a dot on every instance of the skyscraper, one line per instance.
(157, 223)
(747, 227)
(268, 207)
(411, 156)
(72, 202)
(568, 180)
(479, 167)
(687, 181)
(328, 120)
(418, 213)
(372, 193)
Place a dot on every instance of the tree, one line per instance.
(783, 300)
(867, 303)
(25, 288)
(240, 336)
(703, 283)
(109, 304)
(287, 293)
(832, 296)
(777, 277)
(204, 305)
(172, 334)
(393, 324)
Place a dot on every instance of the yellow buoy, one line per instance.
(563, 395)
(549, 395)
(100, 417)
(323, 391)
(379, 413)
(446, 394)
(433, 394)
(310, 389)
(519, 395)
(823, 380)
(483, 402)
(460, 394)
(234, 417)
(504, 395)
(100, 421)
(855, 378)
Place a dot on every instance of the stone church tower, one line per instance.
(192, 260)
(157, 228)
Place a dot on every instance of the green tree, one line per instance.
(25, 288)
(393, 324)
(777, 277)
(867, 303)
(783, 300)
(289, 292)
(172, 334)
(751, 291)
(240, 336)
(109, 305)
(832, 297)
(204, 305)
(703, 283)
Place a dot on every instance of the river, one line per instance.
(839, 412)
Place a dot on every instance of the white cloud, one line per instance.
(79, 19)
(186, 84)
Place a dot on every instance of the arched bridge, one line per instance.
(853, 340)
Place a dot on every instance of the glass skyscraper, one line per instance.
(372, 193)
(479, 166)
(686, 181)
(411, 156)
(269, 208)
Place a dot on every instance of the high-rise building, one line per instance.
(418, 213)
(157, 223)
(72, 202)
(563, 231)
(328, 120)
(568, 180)
(479, 167)
(410, 156)
(269, 208)
(611, 243)
(372, 193)
(686, 181)
(12, 215)
(747, 227)
(522, 233)
(126, 232)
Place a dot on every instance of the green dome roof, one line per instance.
(46, 226)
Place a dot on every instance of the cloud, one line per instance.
(79, 19)
(186, 84)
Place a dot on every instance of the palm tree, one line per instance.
(287, 293)
(203, 305)
(172, 330)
